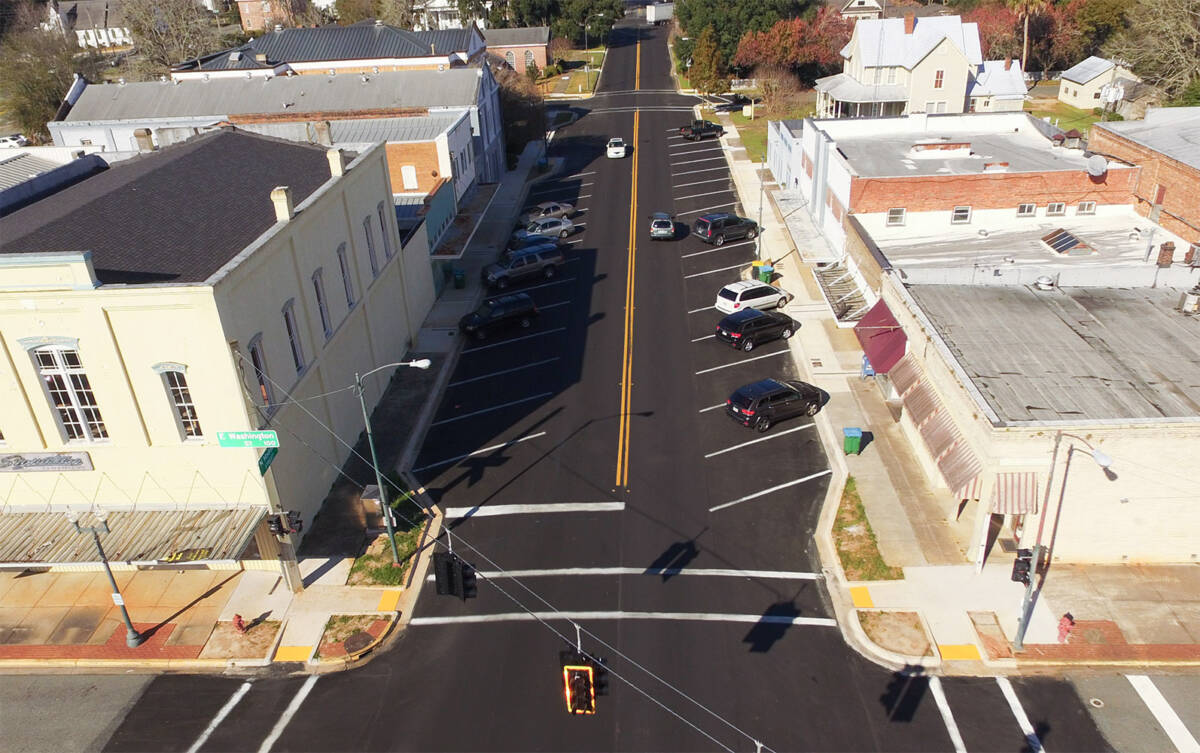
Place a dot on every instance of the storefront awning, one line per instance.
(881, 337)
(139, 537)
(905, 374)
(1015, 493)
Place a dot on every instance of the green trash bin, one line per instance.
(851, 440)
(765, 273)
(460, 278)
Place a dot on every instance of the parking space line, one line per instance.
(706, 337)
(706, 209)
(773, 619)
(556, 305)
(714, 271)
(714, 250)
(488, 511)
(558, 188)
(559, 281)
(1031, 738)
(694, 161)
(710, 193)
(478, 348)
(579, 175)
(220, 717)
(1181, 738)
(577, 240)
(697, 311)
(701, 182)
(711, 407)
(764, 492)
(939, 696)
(288, 713)
(656, 571)
(741, 361)
(501, 446)
(693, 172)
(502, 406)
(505, 371)
(716, 148)
(756, 441)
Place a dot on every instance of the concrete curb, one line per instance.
(343, 662)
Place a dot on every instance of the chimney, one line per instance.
(324, 136)
(1166, 254)
(145, 142)
(337, 164)
(431, 50)
(281, 197)
(910, 23)
(1007, 64)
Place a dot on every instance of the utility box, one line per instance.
(851, 440)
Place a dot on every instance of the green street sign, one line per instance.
(264, 460)
(266, 438)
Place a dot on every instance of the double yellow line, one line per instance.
(627, 354)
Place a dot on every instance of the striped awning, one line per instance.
(921, 403)
(905, 374)
(959, 465)
(971, 490)
(940, 434)
(1016, 493)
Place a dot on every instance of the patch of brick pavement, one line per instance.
(155, 647)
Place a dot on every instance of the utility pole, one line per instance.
(762, 166)
(133, 638)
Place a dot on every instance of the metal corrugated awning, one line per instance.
(921, 402)
(972, 489)
(939, 434)
(194, 535)
(881, 337)
(905, 374)
(1016, 493)
(959, 465)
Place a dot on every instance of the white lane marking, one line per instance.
(741, 361)
(702, 182)
(698, 195)
(580, 224)
(1010, 695)
(706, 209)
(756, 495)
(560, 188)
(708, 572)
(693, 172)
(714, 271)
(706, 150)
(712, 407)
(756, 441)
(706, 308)
(501, 406)
(1181, 738)
(559, 281)
(706, 337)
(556, 305)
(487, 511)
(220, 717)
(939, 695)
(714, 250)
(501, 446)
(567, 200)
(577, 240)
(773, 619)
(288, 713)
(694, 161)
(579, 175)
(514, 340)
(507, 371)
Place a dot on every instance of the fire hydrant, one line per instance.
(1065, 626)
(239, 624)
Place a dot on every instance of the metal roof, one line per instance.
(525, 36)
(195, 535)
(21, 168)
(997, 81)
(1074, 354)
(1172, 131)
(882, 41)
(456, 87)
(90, 14)
(1081, 73)
(362, 131)
(845, 88)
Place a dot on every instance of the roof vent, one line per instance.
(260, 57)
(278, 27)
(1189, 302)
(1045, 282)
(235, 56)
(375, 69)
(332, 72)
(378, 22)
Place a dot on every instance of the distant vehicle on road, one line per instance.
(701, 129)
(547, 209)
(498, 313)
(551, 227)
(659, 13)
(12, 141)
(616, 148)
(748, 328)
(662, 227)
(718, 227)
(749, 294)
(762, 404)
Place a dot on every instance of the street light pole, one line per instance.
(133, 638)
(362, 401)
(762, 166)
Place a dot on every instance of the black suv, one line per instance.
(498, 313)
(719, 227)
(761, 404)
(750, 327)
(523, 264)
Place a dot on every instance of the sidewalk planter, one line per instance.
(851, 440)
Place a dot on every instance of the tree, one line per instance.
(599, 15)
(352, 11)
(706, 73)
(402, 14)
(1190, 96)
(731, 20)
(470, 11)
(523, 107)
(998, 35)
(778, 85)
(1099, 19)
(170, 31)
(811, 48)
(1024, 10)
(36, 69)
(1162, 43)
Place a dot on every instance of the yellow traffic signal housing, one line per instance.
(579, 688)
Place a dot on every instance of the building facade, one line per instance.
(1082, 85)
(520, 48)
(260, 15)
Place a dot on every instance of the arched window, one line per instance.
(511, 59)
(70, 392)
(529, 62)
(175, 381)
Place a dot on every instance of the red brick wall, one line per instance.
(423, 156)
(930, 193)
(1181, 199)
(539, 56)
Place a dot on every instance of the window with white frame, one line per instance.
(347, 279)
(293, 333)
(938, 78)
(175, 381)
(1086, 207)
(408, 175)
(1026, 210)
(318, 281)
(258, 362)
(891, 76)
(371, 247)
(1056, 209)
(895, 216)
(960, 216)
(383, 229)
(70, 393)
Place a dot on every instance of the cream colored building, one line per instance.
(230, 283)
(1082, 85)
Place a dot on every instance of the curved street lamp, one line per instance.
(133, 638)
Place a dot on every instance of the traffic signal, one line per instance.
(294, 524)
(275, 525)
(453, 577)
(583, 679)
(600, 676)
(1022, 566)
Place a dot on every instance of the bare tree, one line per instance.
(401, 13)
(170, 31)
(36, 69)
(1161, 43)
(779, 87)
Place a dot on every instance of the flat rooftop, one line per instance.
(891, 155)
(1073, 354)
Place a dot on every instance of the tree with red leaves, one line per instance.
(999, 35)
(809, 47)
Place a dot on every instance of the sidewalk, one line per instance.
(68, 619)
(1125, 615)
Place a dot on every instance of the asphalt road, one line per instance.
(597, 511)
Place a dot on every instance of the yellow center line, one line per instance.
(637, 68)
(627, 356)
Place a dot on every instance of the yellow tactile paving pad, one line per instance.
(963, 651)
(388, 601)
(293, 653)
(861, 596)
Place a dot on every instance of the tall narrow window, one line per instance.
(371, 246)
(408, 175)
(70, 393)
(259, 362)
(383, 228)
(347, 280)
(511, 59)
(318, 282)
(529, 61)
(293, 333)
(937, 79)
(891, 78)
(175, 381)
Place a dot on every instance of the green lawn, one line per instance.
(754, 132)
(1064, 115)
(684, 83)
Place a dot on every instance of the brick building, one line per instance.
(520, 47)
(1166, 145)
(259, 15)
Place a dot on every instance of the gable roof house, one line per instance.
(897, 66)
(1082, 85)
(96, 24)
(520, 47)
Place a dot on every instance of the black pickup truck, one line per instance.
(700, 129)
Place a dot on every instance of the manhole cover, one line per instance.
(358, 641)
(1096, 703)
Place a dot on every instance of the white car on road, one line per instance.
(616, 148)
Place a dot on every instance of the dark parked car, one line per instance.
(523, 264)
(700, 129)
(761, 404)
(718, 227)
(499, 313)
(750, 327)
